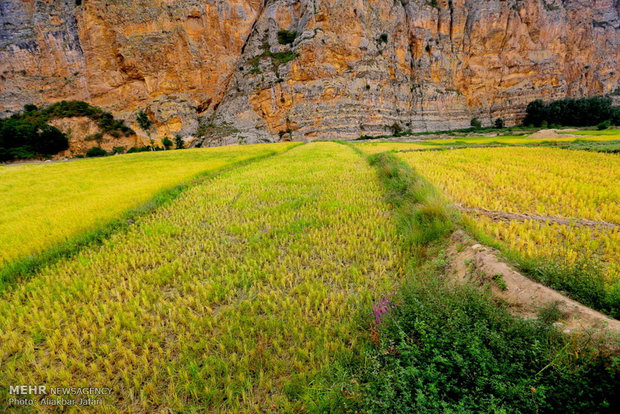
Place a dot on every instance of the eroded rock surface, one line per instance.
(356, 67)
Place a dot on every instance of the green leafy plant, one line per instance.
(96, 152)
(144, 121)
(286, 37)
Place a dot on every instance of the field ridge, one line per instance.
(507, 216)
(472, 262)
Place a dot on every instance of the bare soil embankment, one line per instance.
(473, 262)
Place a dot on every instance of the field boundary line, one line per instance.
(447, 147)
(506, 216)
(26, 267)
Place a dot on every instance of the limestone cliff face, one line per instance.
(355, 68)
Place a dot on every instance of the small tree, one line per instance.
(499, 123)
(144, 122)
(178, 141)
(396, 128)
(167, 143)
(475, 123)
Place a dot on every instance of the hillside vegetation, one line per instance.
(27, 135)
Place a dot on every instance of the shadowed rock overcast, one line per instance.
(256, 70)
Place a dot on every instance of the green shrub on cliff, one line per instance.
(21, 139)
(27, 134)
(286, 37)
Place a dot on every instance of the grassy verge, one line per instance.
(434, 346)
(28, 266)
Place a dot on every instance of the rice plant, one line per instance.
(546, 182)
(46, 204)
(236, 296)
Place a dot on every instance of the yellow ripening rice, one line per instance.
(230, 298)
(541, 181)
(545, 181)
(44, 204)
(535, 239)
(377, 147)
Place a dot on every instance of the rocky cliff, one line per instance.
(264, 70)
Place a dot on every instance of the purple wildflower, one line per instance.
(380, 309)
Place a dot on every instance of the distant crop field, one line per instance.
(517, 140)
(377, 147)
(234, 297)
(554, 183)
(44, 204)
(594, 132)
(427, 144)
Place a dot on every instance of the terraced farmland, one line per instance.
(232, 297)
(494, 184)
(44, 205)
(307, 279)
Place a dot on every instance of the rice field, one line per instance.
(519, 140)
(536, 181)
(615, 132)
(234, 297)
(46, 204)
(377, 147)
(426, 144)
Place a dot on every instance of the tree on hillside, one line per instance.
(144, 122)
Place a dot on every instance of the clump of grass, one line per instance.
(423, 217)
(498, 278)
(550, 313)
(584, 280)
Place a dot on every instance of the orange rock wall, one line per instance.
(359, 66)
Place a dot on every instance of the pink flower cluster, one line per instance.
(380, 309)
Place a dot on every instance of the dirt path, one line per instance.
(505, 216)
(471, 262)
(553, 134)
